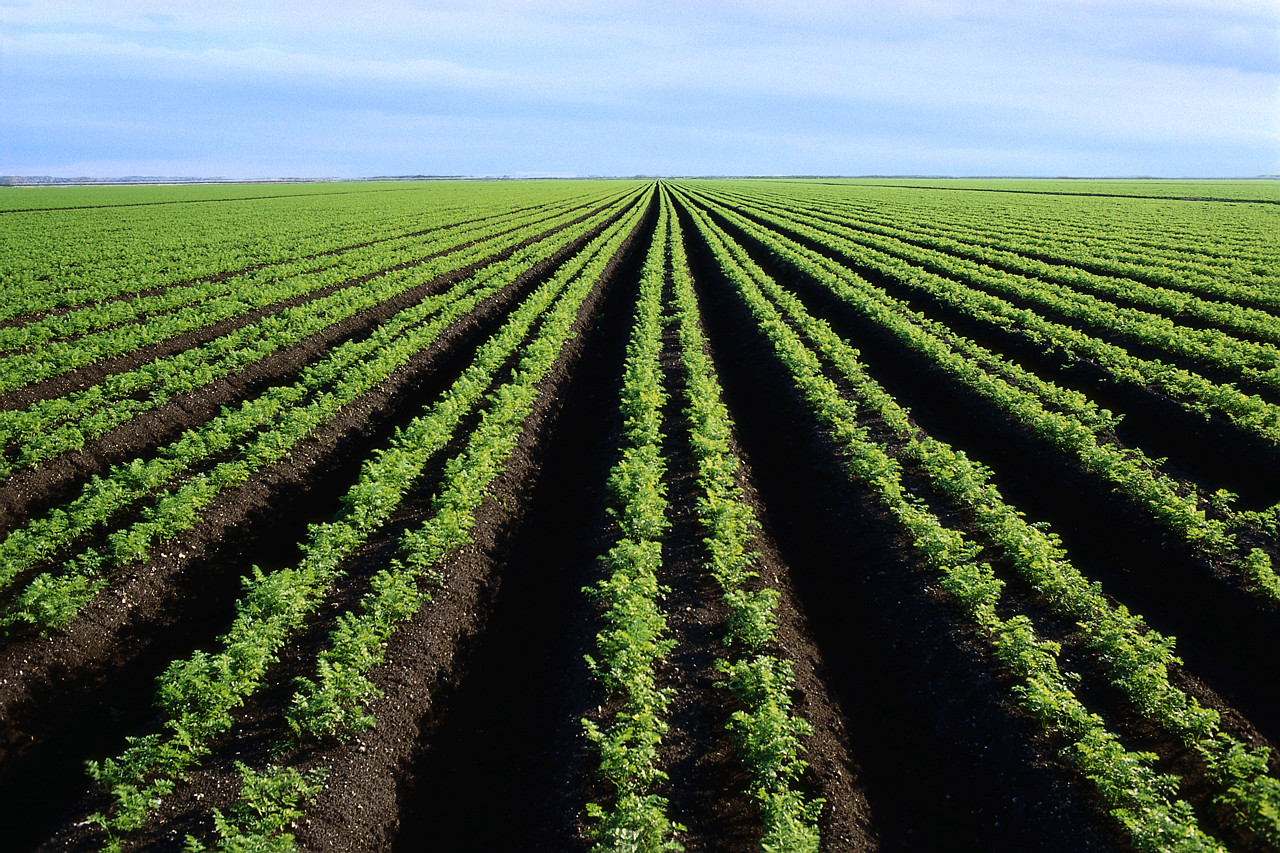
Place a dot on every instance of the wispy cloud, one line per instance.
(1058, 86)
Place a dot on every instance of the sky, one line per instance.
(315, 89)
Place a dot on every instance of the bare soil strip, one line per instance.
(1219, 626)
(174, 603)
(707, 789)
(948, 761)
(847, 822)
(505, 768)
(32, 491)
(24, 319)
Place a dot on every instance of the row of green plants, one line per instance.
(768, 733)
(61, 259)
(265, 288)
(1193, 260)
(1211, 252)
(1250, 361)
(108, 312)
(847, 283)
(51, 427)
(1250, 412)
(1176, 303)
(216, 298)
(197, 697)
(54, 598)
(1135, 658)
(230, 449)
(1142, 799)
(633, 642)
(1067, 421)
(1216, 250)
(334, 703)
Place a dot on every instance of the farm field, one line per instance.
(715, 515)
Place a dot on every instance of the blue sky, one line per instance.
(319, 88)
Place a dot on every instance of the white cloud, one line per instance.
(965, 79)
(113, 58)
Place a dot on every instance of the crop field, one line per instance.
(714, 515)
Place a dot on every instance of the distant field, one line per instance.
(779, 514)
(1238, 190)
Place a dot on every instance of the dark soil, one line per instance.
(505, 767)
(165, 608)
(29, 492)
(919, 744)
(1180, 593)
(1212, 452)
(847, 822)
(947, 763)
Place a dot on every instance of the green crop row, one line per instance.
(332, 704)
(269, 428)
(632, 644)
(61, 259)
(1250, 412)
(108, 312)
(1176, 303)
(51, 427)
(1143, 800)
(51, 599)
(1207, 249)
(1247, 360)
(1072, 425)
(768, 733)
(198, 696)
(1198, 259)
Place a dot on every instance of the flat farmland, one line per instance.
(714, 515)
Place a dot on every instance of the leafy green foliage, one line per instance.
(270, 802)
(1141, 799)
(198, 696)
(767, 732)
(632, 642)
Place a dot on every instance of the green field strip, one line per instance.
(98, 247)
(333, 704)
(1177, 302)
(30, 197)
(1244, 360)
(633, 643)
(1067, 421)
(1170, 231)
(1238, 269)
(248, 287)
(769, 734)
(1250, 412)
(197, 697)
(52, 599)
(129, 276)
(1150, 243)
(51, 427)
(61, 260)
(1140, 799)
(264, 289)
(98, 261)
(1136, 658)
(1162, 189)
(1132, 243)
